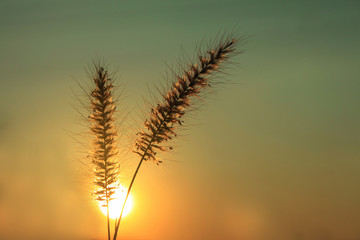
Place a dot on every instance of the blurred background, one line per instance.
(273, 157)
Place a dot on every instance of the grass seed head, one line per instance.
(167, 115)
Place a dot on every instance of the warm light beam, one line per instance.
(116, 204)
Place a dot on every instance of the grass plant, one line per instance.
(104, 150)
(166, 115)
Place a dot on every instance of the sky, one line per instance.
(272, 156)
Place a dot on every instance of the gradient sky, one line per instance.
(275, 157)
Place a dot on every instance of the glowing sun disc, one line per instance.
(116, 204)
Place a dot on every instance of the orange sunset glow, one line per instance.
(224, 119)
(116, 204)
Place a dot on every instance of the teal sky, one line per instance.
(274, 157)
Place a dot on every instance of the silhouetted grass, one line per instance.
(165, 116)
(103, 154)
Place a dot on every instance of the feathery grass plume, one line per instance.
(104, 143)
(167, 115)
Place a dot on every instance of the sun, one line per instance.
(116, 204)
